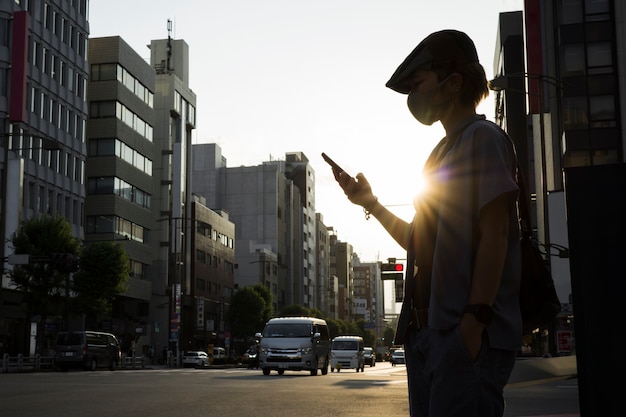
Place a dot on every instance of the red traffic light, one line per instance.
(392, 267)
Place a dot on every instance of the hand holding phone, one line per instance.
(336, 168)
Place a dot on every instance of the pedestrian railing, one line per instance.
(132, 362)
(21, 363)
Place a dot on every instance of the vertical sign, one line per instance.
(200, 311)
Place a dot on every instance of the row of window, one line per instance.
(119, 226)
(205, 229)
(62, 28)
(57, 69)
(58, 114)
(43, 200)
(117, 186)
(115, 147)
(113, 108)
(114, 71)
(32, 148)
(184, 108)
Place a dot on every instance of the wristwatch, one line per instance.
(482, 312)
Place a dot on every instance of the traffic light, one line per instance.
(392, 271)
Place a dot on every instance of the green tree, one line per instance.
(102, 276)
(388, 335)
(294, 310)
(250, 309)
(42, 283)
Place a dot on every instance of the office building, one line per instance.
(43, 112)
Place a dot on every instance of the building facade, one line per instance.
(43, 112)
(118, 207)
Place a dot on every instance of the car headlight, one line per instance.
(305, 350)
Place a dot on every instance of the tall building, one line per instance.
(266, 207)
(578, 48)
(43, 110)
(204, 320)
(175, 120)
(299, 170)
(323, 289)
(342, 267)
(572, 78)
(121, 151)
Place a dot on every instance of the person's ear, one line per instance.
(455, 82)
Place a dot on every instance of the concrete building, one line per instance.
(43, 111)
(175, 119)
(367, 292)
(323, 289)
(298, 169)
(121, 151)
(266, 208)
(575, 80)
(342, 267)
(213, 268)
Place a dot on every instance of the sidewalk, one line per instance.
(533, 369)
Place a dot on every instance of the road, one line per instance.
(166, 392)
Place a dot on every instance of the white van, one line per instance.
(295, 344)
(347, 353)
(219, 353)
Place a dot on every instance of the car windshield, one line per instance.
(398, 353)
(345, 345)
(69, 339)
(287, 330)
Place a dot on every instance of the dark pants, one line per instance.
(444, 380)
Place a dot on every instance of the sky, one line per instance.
(279, 76)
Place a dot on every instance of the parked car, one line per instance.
(86, 349)
(195, 358)
(369, 356)
(397, 357)
(251, 357)
(219, 353)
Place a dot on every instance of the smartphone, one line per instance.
(336, 168)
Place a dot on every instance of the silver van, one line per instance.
(86, 349)
(347, 352)
(295, 344)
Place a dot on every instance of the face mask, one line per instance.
(422, 107)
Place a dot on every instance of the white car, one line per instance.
(397, 357)
(196, 358)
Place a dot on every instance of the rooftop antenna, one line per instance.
(169, 43)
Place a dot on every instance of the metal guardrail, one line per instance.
(21, 363)
(38, 363)
(132, 362)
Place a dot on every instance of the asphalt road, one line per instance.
(166, 392)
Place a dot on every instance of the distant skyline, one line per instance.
(282, 76)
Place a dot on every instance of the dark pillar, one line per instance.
(596, 219)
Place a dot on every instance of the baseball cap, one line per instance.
(449, 47)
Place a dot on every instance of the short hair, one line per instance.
(475, 87)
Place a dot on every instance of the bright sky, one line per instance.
(278, 76)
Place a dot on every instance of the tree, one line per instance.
(250, 309)
(43, 283)
(102, 276)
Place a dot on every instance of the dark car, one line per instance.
(369, 356)
(251, 357)
(397, 357)
(87, 349)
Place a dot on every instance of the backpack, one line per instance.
(538, 300)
